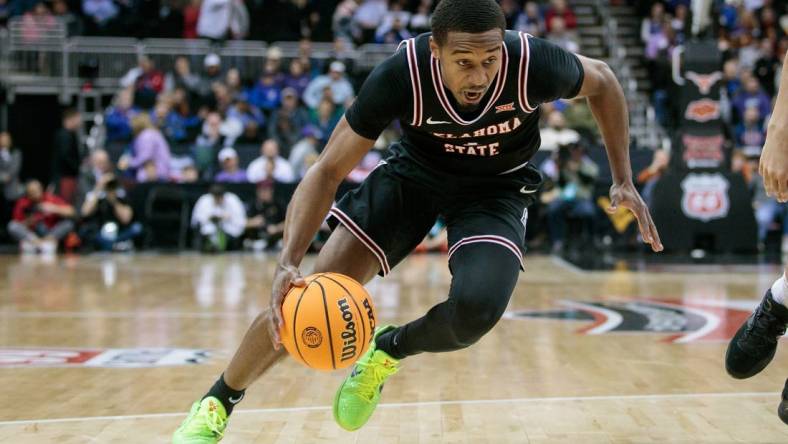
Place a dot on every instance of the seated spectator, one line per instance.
(395, 34)
(342, 22)
(270, 165)
(767, 66)
(208, 143)
(100, 15)
(150, 158)
(306, 150)
(572, 174)
(420, 22)
(250, 116)
(182, 77)
(108, 217)
(147, 81)
(556, 133)
(284, 131)
(230, 173)
(98, 168)
(40, 220)
(750, 133)
(265, 224)
(367, 17)
(653, 23)
(10, 164)
(72, 21)
(511, 9)
(560, 9)
(37, 23)
(191, 14)
(559, 36)
(220, 219)
(752, 95)
(214, 19)
(180, 124)
(118, 116)
(530, 20)
(273, 65)
(730, 77)
(266, 94)
(297, 78)
(335, 81)
(212, 65)
(325, 118)
(232, 80)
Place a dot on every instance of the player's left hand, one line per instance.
(625, 195)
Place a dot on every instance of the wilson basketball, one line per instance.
(329, 323)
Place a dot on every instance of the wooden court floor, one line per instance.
(113, 349)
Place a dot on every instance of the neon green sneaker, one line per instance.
(358, 396)
(204, 425)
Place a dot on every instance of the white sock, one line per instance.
(780, 289)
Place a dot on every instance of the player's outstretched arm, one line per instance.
(308, 208)
(774, 157)
(609, 107)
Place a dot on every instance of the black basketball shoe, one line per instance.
(754, 345)
(782, 411)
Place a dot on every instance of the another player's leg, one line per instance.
(207, 420)
(754, 345)
(483, 278)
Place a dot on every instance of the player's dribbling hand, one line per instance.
(285, 277)
(774, 168)
(627, 196)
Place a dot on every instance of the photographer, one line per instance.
(572, 174)
(108, 217)
(40, 220)
(220, 218)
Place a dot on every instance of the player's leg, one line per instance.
(343, 253)
(755, 343)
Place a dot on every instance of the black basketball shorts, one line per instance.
(398, 203)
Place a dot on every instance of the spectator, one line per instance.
(180, 124)
(182, 77)
(335, 81)
(191, 15)
(573, 175)
(767, 67)
(68, 155)
(342, 23)
(209, 142)
(118, 116)
(273, 65)
(220, 19)
(530, 20)
(266, 94)
(395, 34)
(730, 77)
(10, 164)
(37, 23)
(270, 165)
(150, 159)
(368, 16)
(96, 171)
(556, 133)
(232, 80)
(420, 22)
(40, 220)
(752, 95)
(230, 173)
(560, 9)
(250, 116)
(679, 22)
(148, 82)
(297, 78)
(305, 151)
(72, 21)
(750, 133)
(511, 9)
(325, 118)
(749, 52)
(266, 219)
(212, 74)
(649, 177)
(395, 14)
(108, 217)
(220, 220)
(652, 24)
(101, 15)
(559, 36)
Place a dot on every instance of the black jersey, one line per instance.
(500, 137)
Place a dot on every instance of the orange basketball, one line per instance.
(329, 323)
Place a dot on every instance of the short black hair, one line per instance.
(472, 16)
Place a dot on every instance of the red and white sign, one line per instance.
(705, 196)
(704, 82)
(116, 357)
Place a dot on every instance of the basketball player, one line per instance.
(467, 96)
(754, 345)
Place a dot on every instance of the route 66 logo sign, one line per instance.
(705, 196)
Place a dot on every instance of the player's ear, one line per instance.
(434, 48)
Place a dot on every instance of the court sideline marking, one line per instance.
(414, 404)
